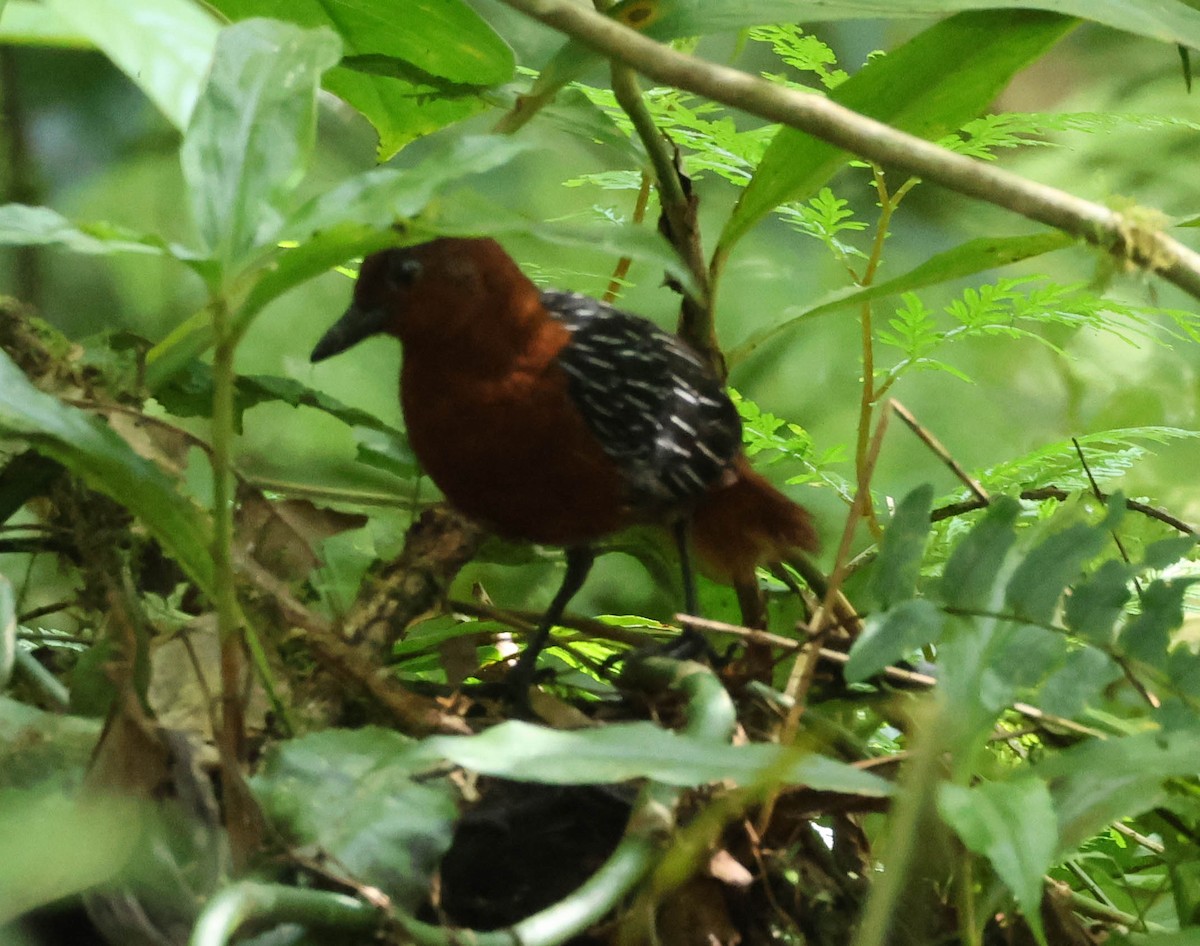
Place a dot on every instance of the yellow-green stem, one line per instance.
(222, 550)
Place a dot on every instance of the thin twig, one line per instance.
(1137, 585)
(621, 270)
(926, 437)
(1042, 493)
(898, 674)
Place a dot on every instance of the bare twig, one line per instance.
(927, 438)
(897, 674)
(1042, 493)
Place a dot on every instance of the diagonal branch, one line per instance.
(1120, 234)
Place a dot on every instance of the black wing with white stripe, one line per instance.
(658, 410)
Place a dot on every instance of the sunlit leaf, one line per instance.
(252, 132)
(164, 46)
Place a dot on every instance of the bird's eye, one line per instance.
(404, 271)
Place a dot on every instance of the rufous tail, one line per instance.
(747, 523)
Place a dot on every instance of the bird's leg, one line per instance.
(691, 643)
(579, 563)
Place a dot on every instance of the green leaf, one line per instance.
(892, 635)
(1040, 579)
(1077, 683)
(623, 751)
(1018, 659)
(25, 22)
(389, 452)
(1103, 780)
(1171, 21)
(383, 196)
(107, 463)
(930, 86)
(1166, 552)
(1014, 826)
(363, 214)
(189, 394)
(252, 132)
(51, 846)
(22, 225)
(410, 67)
(1097, 603)
(894, 577)
(967, 259)
(43, 750)
(1148, 635)
(352, 794)
(975, 566)
(164, 46)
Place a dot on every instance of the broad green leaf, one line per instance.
(94, 452)
(975, 567)
(974, 256)
(1171, 21)
(929, 87)
(410, 67)
(1039, 580)
(26, 22)
(164, 46)
(352, 794)
(1103, 780)
(365, 213)
(898, 567)
(892, 635)
(52, 846)
(1097, 603)
(1014, 826)
(1148, 635)
(625, 751)
(252, 132)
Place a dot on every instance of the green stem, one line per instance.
(228, 624)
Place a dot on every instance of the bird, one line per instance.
(554, 418)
